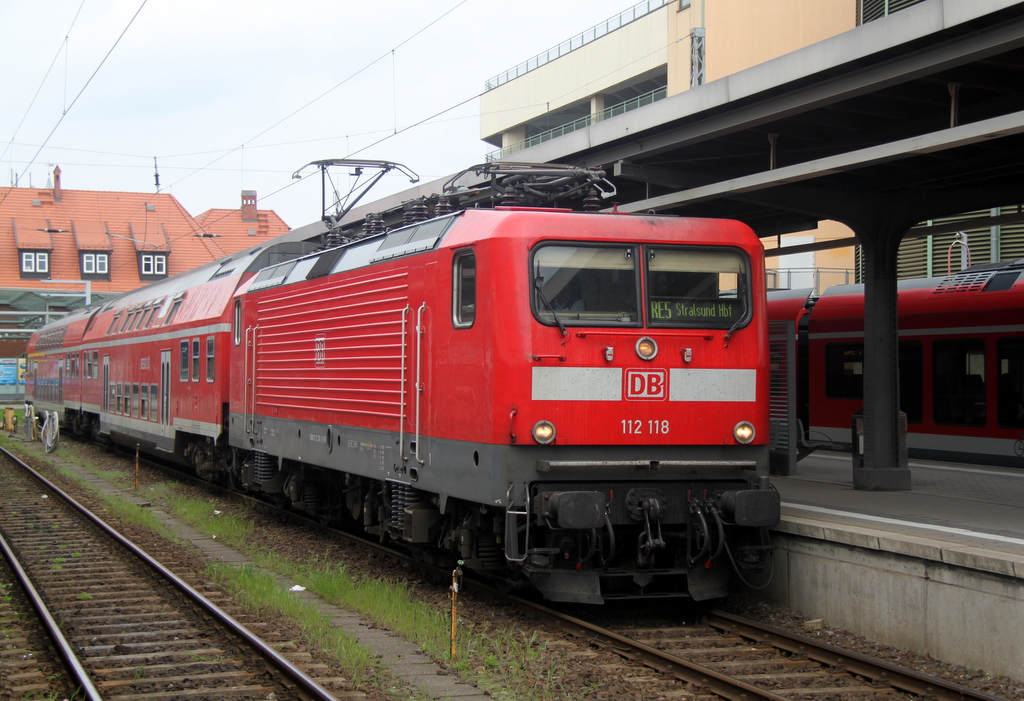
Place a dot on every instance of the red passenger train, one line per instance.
(580, 398)
(961, 363)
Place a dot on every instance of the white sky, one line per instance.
(204, 85)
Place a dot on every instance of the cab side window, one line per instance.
(464, 289)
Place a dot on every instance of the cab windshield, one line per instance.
(696, 287)
(598, 285)
(586, 285)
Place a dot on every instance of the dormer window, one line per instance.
(95, 266)
(153, 265)
(35, 264)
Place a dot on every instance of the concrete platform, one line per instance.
(937, 569)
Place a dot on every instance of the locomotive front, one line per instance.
(635, 396)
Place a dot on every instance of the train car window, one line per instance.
(127, 320)
(144, 401)
(209, 358)
(183, 361)
(113, 323)
(195, 360)
(153, 315)
(120, 396)
(146, 314)
(585, 285)
(174, 310)
(112, 392)
(958, 381)
(697, 287)
(238, 322)
(1010, 387)
(911, 361)
(135, 399)
(154, 405)
(844, 371)
(464, 289)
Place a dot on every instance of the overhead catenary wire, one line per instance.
(63, 47)
(87, 82)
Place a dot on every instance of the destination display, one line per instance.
(674, 309)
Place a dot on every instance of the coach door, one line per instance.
(106, 384)
(165, 387)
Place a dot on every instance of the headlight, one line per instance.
(544, 432)
(646, 348)
(744, 432)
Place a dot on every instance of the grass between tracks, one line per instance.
(508, 662)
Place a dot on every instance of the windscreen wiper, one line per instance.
(539, 284)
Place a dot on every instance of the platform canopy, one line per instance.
(913, 117)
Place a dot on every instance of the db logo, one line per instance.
(646, 384)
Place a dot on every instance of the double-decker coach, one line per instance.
(150, 367)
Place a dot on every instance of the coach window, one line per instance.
(143, 401)
(1010, 389)
(958, 379)
(697, 287)
(464, 289)
(591, 285)
(174, 310)
(183, 362)
(844, 371)
(911, 363)
(195, 360)
(154, 412)
(209, 358)
(238, 322)
(135, 399)
(113, 324)
(120, 408)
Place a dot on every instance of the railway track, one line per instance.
(29, 664)
(131, 629)
(729, 657)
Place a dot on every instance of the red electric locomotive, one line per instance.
(578, 397)
(961, 363)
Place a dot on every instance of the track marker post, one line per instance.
(456, 583)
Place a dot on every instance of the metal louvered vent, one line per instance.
(968, 282)
(869, 10)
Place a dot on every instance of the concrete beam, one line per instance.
(975, 132)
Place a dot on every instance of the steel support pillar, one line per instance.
(883, 467)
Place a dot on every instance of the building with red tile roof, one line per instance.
(237, 229)
(59, 247)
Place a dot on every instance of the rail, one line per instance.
(307, 687)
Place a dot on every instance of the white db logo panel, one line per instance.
(646, 384)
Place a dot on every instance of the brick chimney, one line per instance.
(56, 184)
(249, 205)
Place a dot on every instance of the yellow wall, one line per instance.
(679, 25)
(627, 52)
(744, 33)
